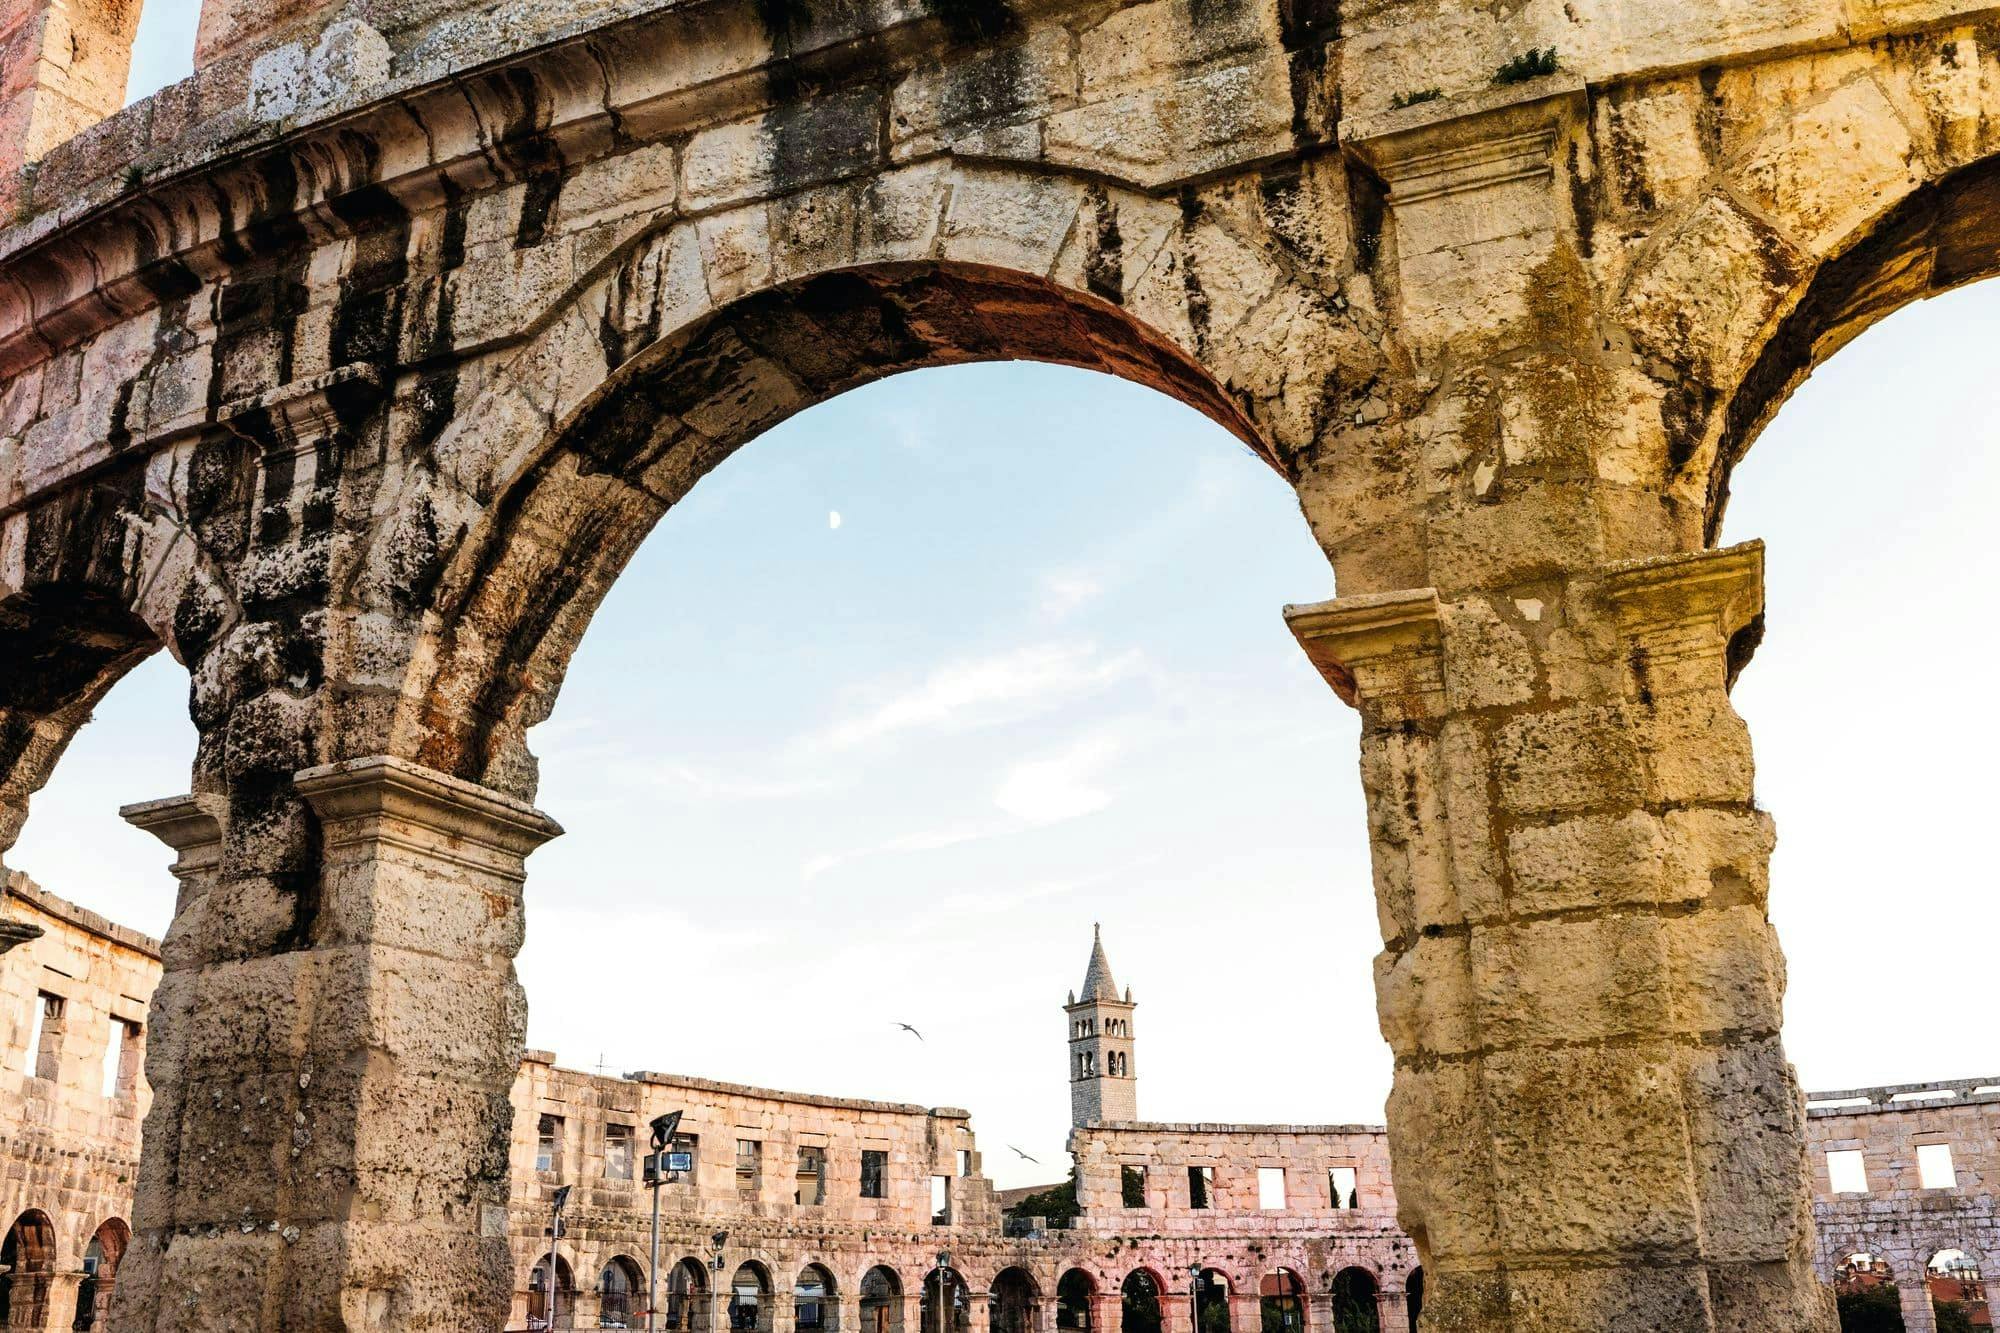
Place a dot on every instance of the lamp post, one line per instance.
(943, 1262)
(556, 1206)
(660, 1169)
(1194, 1298)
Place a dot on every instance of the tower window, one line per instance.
(548, 1143)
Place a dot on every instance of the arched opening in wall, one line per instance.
(1957, 1292)
(539, 1313)
(946, 1306)
(1011, 1302)
(1045, 609)
(1211, 1301)
(1865, 1292)
(815, 1306)
(100, 1275)
(1413, 1296)
(1139, 1303)
(620, 1293)
(1076, 1295)
(1281, 1302)
(684, 1297)
(28, 1262)
(1355, 1303)
(881, 1301)
(750, 1299)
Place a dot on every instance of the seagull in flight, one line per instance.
(1024, 1157)
(912, 1031)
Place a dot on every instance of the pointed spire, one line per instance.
(1097, 982)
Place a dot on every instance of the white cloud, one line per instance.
(832, 519)
(1063, 591)
(1061, 787)
(984, 691)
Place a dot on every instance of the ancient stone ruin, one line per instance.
(350, 371)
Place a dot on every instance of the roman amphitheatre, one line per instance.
(351, 370)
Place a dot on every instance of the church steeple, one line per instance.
(1102, 1085)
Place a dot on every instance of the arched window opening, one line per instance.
(1865, 1292)
(881, 1301)
(1957, 1292)
(814, 1307)
(1413, 1293)
(1010, 1305)
(1075, 1293)
(684, 1303)
(100, 1275)
(1356, 1303)
(28, 1259)
(750, 1300)
(1211, 1302)
(1281, 1302)
(538, 1295)
(955, 1314)
(1139, 1303)
(618, 1294)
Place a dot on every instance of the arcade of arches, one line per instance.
(351, 371)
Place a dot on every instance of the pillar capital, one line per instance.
(191, 825)
(1682, 609)
(385, 799)
(1376, 646)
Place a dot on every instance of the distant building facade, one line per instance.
(812, 1214)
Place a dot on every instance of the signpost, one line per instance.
(663, 1167)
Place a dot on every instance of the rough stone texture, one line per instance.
(351, 370)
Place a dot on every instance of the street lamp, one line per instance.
(1194, 1298)
(662, 1165)
(943, 1262)
(556, 1206)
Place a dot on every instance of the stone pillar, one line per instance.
(1176, 1312)
(341, 1086)
(1593, 1125)
(1246, 1311)
(1915, 1298)
(65, 71)
(1392, 1311)
(1319, 1312)
(59, 1311)
(784, 1313)
(979, 1314)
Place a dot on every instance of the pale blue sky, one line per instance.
(821, 778)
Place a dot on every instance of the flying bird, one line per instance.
(1024, 1157)
(912, 1031)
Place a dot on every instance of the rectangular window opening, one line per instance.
(548, 1143)
(874, 1173)
(940, 1201)
(1344, 1186)
(965, 1161)
(618, 1152)
(1132, 1185)
(1934, 1168)
(1201, 1186)
(1270, 1187)
(1847, 1171)
(45, 1045)
(811, 1191)
(749, 1166)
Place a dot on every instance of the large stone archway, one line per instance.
(351, 371)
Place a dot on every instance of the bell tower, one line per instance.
(1102, 1085)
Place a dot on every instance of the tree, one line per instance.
(1057, 1203)
(1954, 1317)
(1875, 1309)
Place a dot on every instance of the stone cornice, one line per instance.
(191, 825)
(1347, 638)
(383, 799)
(1469, 142)
(1683, 606)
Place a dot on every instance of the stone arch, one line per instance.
(1012, 1301)
(945, 1305)
(879, 1299)
(1139, 1305)
(750, 1305)
(685, 1306)
(28, 1260)
(815, 1299)
(101, 1257)
(1281, 1301)
(1954, 1277)
(565, 1291)
(621, 1290)
(1076, 1300)
(1354, 1300)
(643, 381)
